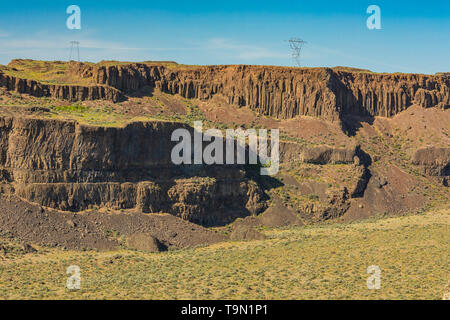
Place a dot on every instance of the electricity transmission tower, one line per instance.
(296, 45)
(74, 47)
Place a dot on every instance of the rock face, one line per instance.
(64, 92)
(144, 242)
(72, 167)
(434, 162)
(245, 232)
(288, 92)
(328, 155)
(388, 94)
(275, 91)
(279, 92)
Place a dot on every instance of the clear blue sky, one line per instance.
(415, 35)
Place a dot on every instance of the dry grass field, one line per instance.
(326, 261)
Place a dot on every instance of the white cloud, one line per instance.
(46, 46)
(245, 51)
(59, 43)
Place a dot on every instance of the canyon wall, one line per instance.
(73, 167)
(280, 92)
(388, 94)
(288, 92)
(59, 91)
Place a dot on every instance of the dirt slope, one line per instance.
(95, 230)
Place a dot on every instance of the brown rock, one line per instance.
(27, 248)
(325, 155)
(275, 91)
(144, 242)
(71, 224)
(434, 161)
(74, 167)
(63, 92)
(243, 231)
(279, 215)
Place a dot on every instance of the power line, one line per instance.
(296, 45)
(74, 45)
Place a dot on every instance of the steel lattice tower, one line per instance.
(296, 45)
(74, 45)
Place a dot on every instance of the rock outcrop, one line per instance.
(144, 242)
(275, 91)
(57, 91)
(388, 94)
(288, 92)
(242, 232)
(328, 155)
(434, 162)
(73, 167)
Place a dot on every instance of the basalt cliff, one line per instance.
(73, 167)
(395, 160)
(273, 91)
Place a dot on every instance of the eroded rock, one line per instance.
(242, 231)
(434, 161)
(144, 242)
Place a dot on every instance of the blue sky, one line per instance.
(415, 35)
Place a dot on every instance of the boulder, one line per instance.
(243, 231)
(144, 242)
